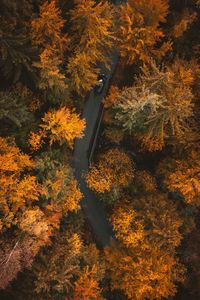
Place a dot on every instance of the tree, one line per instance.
(82, 73)
(56, 269)
(15, 255)
(46, 29)
(114, 170)
(87, 287)
(93, 39)
(18, 190)
(183, 176)
(152, 218)
(158, 105)
(63, 126)
(92, 24)
(138, 30)
(13, 109)
(143, 272)
(52, 81)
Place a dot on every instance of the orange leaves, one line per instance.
(184, 176)
(63, 126)
(47, 28)
(17, 191)
(130, 230)
(87, 287)
(11, 158)
(114, 169)
(143, 273)
(92, 24)
(139, 30)
(72, 197)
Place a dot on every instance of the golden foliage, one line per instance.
(72, 197)
(130, 230)
(17, 191)
(183, 176)
(144, 273)
(46, 30)
(113, 170)
(63, 126)
(36, 140)
(138, 30)
(87, 287)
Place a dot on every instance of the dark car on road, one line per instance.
(102, 80)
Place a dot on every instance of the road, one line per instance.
(93, 210)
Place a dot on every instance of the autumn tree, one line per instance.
(144, 272)
(114, 170)
(87, 287)
(69, 268)
(183, 176)
(53, 83)
(15, 255)
(56, 269)
(93, 38)
(60, 125)
(18, 190)
(53, 170)
(46, 29)
(157, 106)
(138, 30)
(152, 218)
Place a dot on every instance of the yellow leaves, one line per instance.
(143, 273)
(63, 126)
(130, 230)
(72, 197)
(114, 169)
(92, 23)
(82, 71)
(11, 158)
(35, 140)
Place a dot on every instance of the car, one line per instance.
(102, 80)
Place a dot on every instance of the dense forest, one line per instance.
(145, 170)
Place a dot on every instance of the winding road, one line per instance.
(93, 210)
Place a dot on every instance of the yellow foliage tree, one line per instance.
(18, 191)
(114, 170)
(129, 229)
(63, 126)
(141, 273)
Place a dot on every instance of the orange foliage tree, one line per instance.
(183, 176)
(60, 125)
(93, 37)
(152, 218)
(143, 272)
(46, 29)
(138, 30)
(114, 170)
(87, 287)
(18, 191)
